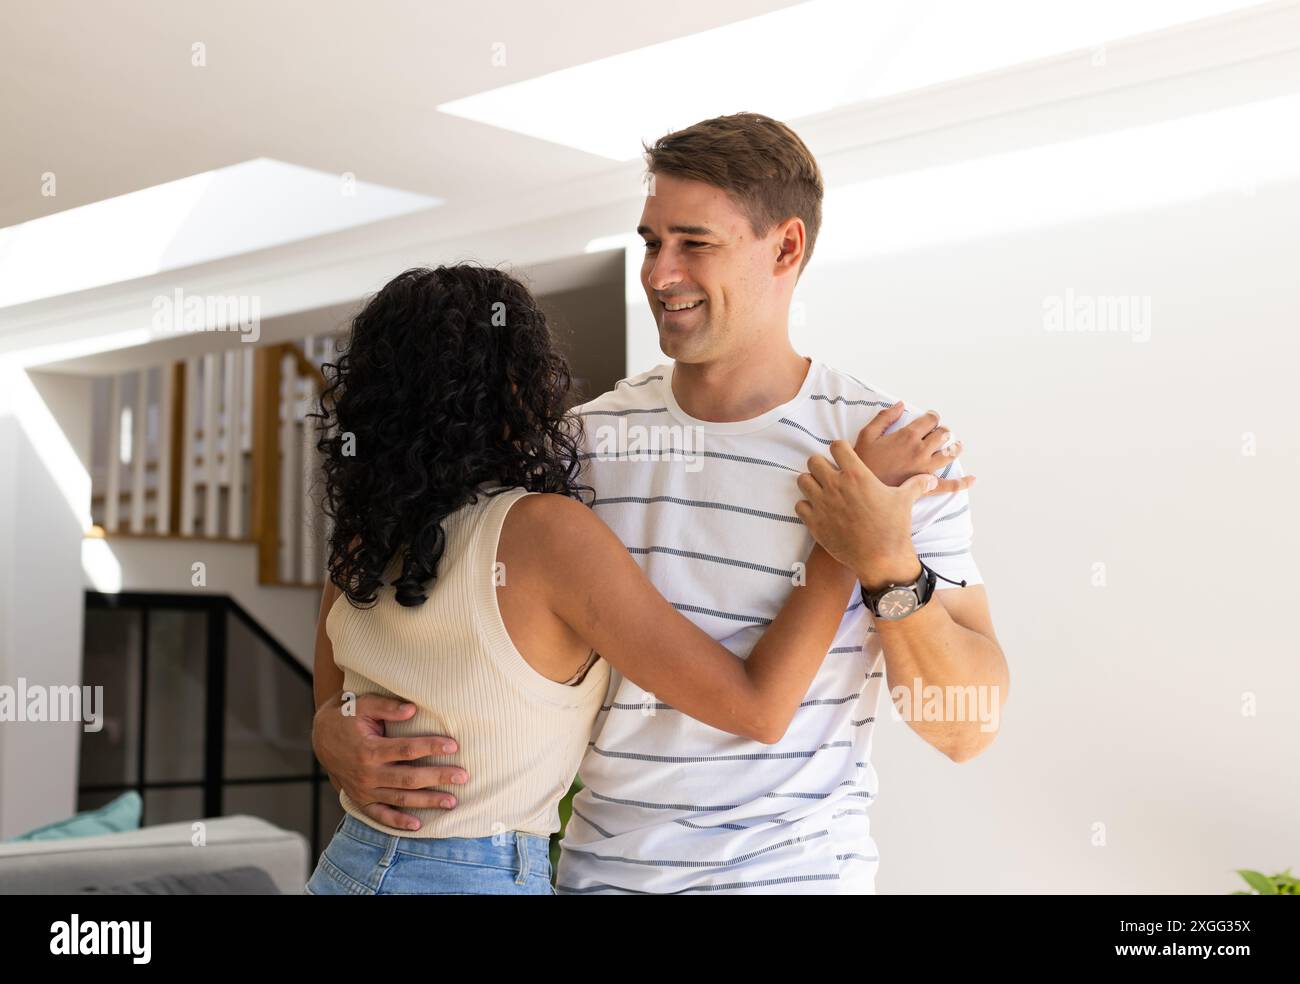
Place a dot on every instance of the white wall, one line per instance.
(44, 508)
(45, 564)
(1127, 705)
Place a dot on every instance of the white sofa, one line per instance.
(104, 862)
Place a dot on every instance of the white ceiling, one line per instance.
(77, 98)
(105, 97)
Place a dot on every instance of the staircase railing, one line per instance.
(218, 447)
(274, 712)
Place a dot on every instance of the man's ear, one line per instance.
(790, 244)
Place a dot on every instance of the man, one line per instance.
(705, 492)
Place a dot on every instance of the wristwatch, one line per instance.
(897, 601)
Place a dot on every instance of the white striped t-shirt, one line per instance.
(672, 805)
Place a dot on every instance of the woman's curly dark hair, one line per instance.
(450, 380)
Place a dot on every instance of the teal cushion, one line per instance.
(111, 818)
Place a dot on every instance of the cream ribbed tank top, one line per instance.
(521, 735)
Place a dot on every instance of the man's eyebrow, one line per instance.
(681, 230)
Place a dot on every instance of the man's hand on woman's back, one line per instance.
(372, 768)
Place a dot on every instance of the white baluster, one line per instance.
(211, 445)
(114, 452)
(234, 443)
(166, 397)
(139, 450)
(189, 450)
(289, 446)
(247, 414)
(307, 517)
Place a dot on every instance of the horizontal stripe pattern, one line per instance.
(676, 453)
(696, 504)
(670, 805)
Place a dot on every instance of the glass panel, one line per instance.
(176, 695)
(171, 806)
(268, 710)
(111, 659)
(93, 801)
(285, 804)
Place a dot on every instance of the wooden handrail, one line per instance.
(306, 367)
(264, 516)
(265, 477)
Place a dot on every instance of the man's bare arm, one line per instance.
(949, 643)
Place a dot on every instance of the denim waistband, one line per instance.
(509, 848)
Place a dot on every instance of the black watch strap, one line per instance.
(922, 587)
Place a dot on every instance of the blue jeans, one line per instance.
(361, 860)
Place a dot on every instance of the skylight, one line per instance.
(807, 59)
(231, 210)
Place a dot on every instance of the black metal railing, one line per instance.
(198, 658)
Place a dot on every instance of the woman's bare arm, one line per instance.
(594, 585)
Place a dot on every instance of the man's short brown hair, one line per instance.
(768, 171)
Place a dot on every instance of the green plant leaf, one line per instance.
(1258, 882)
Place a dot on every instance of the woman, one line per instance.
(477, 585)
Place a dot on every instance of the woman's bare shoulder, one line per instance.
(555, 523)
(552, 509)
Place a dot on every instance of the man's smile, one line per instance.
(680, 312)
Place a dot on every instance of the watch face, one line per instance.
(897, 603)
